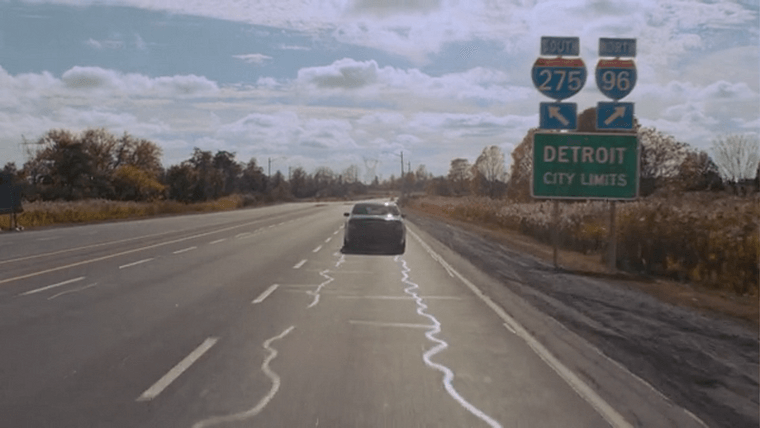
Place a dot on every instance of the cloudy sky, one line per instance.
(336, 82)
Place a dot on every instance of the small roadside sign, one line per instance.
(558, 116)
(613, 115)
(559, 46)
(585, 166)
(559, 78)
(617, 47)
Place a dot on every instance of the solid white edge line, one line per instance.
(266, 293)
(177, 370)
(299, 264)
(52, 286)
(184, 250)
(136, 263)
(581, 388)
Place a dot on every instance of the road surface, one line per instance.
(256, 318)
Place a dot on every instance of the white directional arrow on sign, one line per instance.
(555, 114)
(619, 112)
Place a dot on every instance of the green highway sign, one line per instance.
(585, 166)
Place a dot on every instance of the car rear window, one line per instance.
(369, 209)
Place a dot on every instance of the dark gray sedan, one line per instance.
(374, 226)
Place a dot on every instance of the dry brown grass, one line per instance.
(703, 296)
(702, 238)
(40, 214)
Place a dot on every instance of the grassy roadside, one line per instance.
(41, 214)
(706, 297)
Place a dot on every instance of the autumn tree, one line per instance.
(521, 172)
(459, 175)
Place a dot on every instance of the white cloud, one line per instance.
(254, 58)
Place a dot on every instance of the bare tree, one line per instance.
(490, 166)
(736, 157)
(351, 174)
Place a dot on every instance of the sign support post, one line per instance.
(612, 239)
(555, 232)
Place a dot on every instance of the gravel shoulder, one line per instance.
(701, 351)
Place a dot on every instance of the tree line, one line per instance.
(64, 165)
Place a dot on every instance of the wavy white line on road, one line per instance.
(237, 417)
(315, 293)
(448, 374)
(607, 412)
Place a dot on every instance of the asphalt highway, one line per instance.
(256, 318)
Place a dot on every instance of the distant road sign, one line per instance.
(616, 77)
(559, 46)
(585, 166)
(558, 116)
(559, 78)
(617, 47)
(10, 195)
(614, 115)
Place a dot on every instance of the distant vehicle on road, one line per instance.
(372, 226)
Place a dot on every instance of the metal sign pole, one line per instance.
(555, 232)
(612, 239)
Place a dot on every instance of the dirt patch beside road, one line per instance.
(700, 350)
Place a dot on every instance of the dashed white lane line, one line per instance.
(76, 290)
(328, 240)
(184, 250)
(265, 294)
(136, 263)
(299, 264)
(52, 286)
(391, 324)
(217, 241)
(242, 235)
(237, 417)
(579, 386)
(316, 249)
(177, 370)
(336, 232)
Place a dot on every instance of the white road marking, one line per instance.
(136, 263)
(184, 250)
(242, 235)
(433, 330)
(177, 370)
(217, 241)
(237, 417)
(265, 294)
(391, 324)
(316, 249)
(328, 240)
(315, 293)
(336, 232)
(72, 291)
(49, 239)
(348, 296)
(299, 264)
(110, 256)
(581, 388)
(52, 286)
